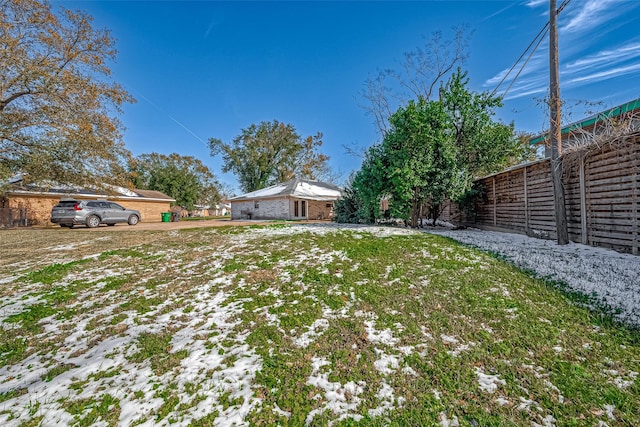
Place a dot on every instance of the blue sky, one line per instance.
(202, 69)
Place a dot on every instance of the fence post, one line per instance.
(526, 203)
(635, 244)
(584, 230)
(495, 203)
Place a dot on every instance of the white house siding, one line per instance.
(267, 209)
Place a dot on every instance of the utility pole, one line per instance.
(555, 130)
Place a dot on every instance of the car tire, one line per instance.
(133, 220)
(93, 221)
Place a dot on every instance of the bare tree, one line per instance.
(421, 72)
(606, 130)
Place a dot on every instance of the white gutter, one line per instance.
(88, 196)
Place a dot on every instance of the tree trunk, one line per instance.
(414, 209)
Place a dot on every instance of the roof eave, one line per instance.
(605, 115)
(86, 196)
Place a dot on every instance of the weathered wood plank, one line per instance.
(601, 198)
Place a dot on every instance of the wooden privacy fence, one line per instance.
(602, 199)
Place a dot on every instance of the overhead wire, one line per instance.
(539, 37)
(504, 95)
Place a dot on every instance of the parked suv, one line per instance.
(92, 213)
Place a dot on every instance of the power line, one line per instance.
(539, 37)
(526, 62)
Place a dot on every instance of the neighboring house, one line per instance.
(222, 208)
(199, 211)
(31, 205)
(219, 209)
(623, 119)
(295, 199)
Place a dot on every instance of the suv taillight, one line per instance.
(77, 207)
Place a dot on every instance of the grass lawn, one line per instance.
(295, 325)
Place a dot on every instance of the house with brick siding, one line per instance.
(295, 199)
(25, 205)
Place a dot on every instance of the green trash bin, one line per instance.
(166, 216)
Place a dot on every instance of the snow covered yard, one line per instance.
(609, 278)
(296, 325)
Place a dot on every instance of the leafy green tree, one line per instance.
(270, 153)
(56, 98)
(485, 146)
(422, 160)
(433, 150)
(184, 178)
(370, 183)
(348, 208)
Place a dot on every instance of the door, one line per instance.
(117, 213)
(98, 208)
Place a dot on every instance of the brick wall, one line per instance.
(38, 208)
(319, 209)
(267, 209)
(282, 208)
(150, 211)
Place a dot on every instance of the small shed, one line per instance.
(295, 199)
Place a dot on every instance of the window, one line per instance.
(303, 208)
(67, 204)
(329, 206)
(256, 205)
(295, 208)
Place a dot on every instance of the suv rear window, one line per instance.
(67, 204)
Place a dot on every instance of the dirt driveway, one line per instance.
(160, 226)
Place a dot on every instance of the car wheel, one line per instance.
(111, 224)
(133, 219)
(93, 221)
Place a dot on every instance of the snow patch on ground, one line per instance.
(611, 276)
(230, 373)
(341, 399)
(387, 400)
(547, 421)
(318, 326)
(376, 336)
(446, 422)
(488, 383)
